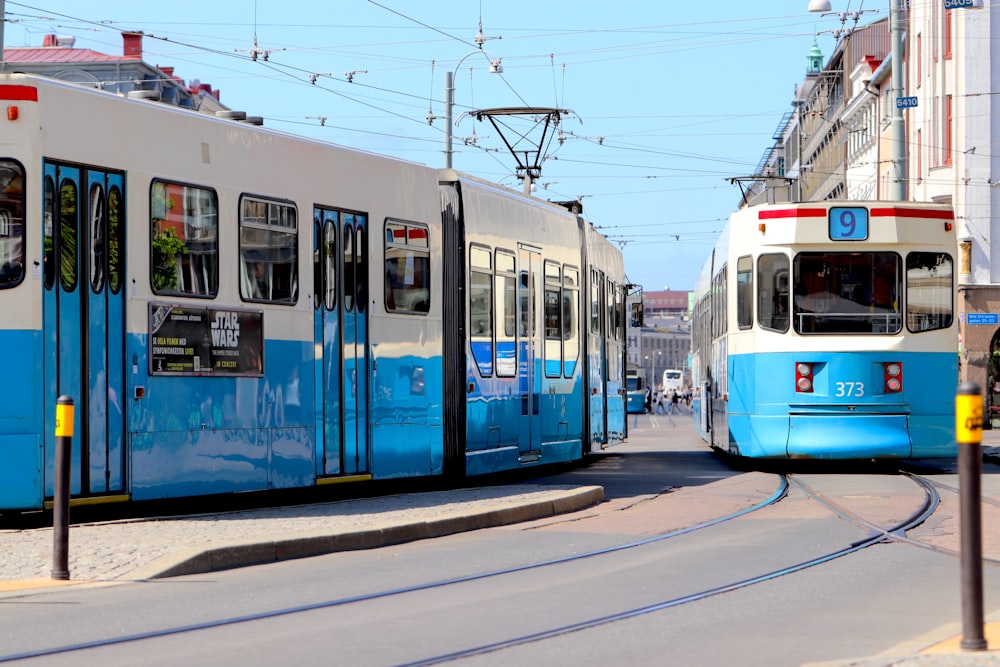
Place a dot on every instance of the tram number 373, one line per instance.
(845, 389)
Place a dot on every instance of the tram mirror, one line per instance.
(635, 318)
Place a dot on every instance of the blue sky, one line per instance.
(669, 99)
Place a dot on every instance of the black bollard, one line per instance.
(969, 436)
(60, 499)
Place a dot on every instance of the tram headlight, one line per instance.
(893, 377)
(803, 377)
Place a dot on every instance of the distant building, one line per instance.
(125, 73)
(668, 301)
(664, 340)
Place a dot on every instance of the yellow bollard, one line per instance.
(60, 494)
(969, 436)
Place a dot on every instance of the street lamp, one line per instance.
(449, 94)
(897, 184)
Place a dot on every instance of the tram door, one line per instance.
(528, 371)
(84, 322)
(340, 255)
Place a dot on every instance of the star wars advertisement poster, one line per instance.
(205, 341)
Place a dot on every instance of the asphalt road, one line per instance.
(384, 607)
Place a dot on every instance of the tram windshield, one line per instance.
(847, 292)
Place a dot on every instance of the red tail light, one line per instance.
(893, 376)
(803, 378)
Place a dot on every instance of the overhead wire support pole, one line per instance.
(449, 102)
(449, 90)
(897, 137)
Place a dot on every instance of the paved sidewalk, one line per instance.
(140, 549)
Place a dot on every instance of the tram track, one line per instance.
(905, 539)
(877, 534)
(779, 494)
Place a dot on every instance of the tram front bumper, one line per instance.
(854, 436)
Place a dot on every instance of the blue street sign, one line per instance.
(983, 318)
(906, 102)
(959, 4)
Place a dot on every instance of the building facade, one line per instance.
(664, 339)
(126, 73)
(835, 143)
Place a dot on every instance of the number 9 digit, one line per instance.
(849, 224)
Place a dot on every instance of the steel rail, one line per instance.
(779, 494)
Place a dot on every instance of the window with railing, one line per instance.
(847, 292)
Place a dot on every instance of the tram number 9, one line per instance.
(845, 389)
(848, 223)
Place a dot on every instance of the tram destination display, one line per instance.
(205, 341)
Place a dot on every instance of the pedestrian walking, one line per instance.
(675, 407)
(660, 409)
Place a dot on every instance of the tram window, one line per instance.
(317, 260)
(98, 229)
(847, 292)
(509, 294)
(929, 287)
(269, 251)
(595, 302)
(481, 308)
(552, 320)
(184, 221)
(347, 252)
(612, 304)
(330, 260)
(407, 268)
(116, 212)
(619, 293)
(361, 265)
(744, 292)
(772, 292)
(506, 329)
(480, 294)
(570, 308)
(11, 224)
(69, 225)
(49, 261)
(720, 323)
(553, 283)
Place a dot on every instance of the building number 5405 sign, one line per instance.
(844, 389)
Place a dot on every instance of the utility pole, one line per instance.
(897, 136)
(3, 23)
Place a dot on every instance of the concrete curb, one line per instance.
(201, 561)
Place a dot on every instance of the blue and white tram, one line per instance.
(529, 361)
(827, 330)
(159, 266)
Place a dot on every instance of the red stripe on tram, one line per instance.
(26, 93)
(792, 213)
(904, 212)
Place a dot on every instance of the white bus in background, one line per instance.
(673, 380)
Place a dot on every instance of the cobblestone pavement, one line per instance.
(147, 548)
